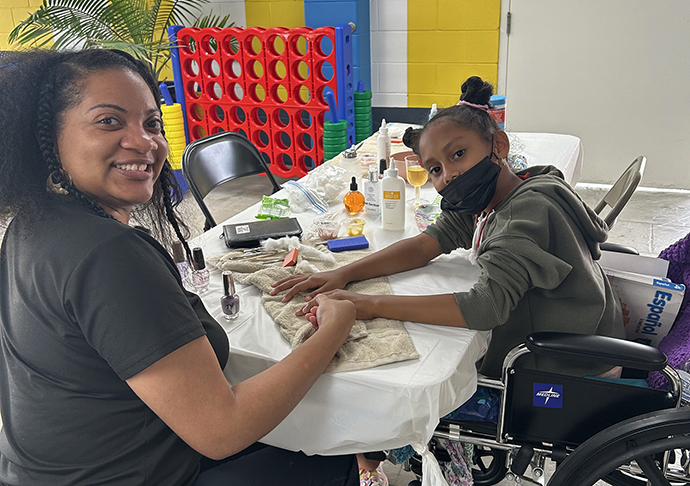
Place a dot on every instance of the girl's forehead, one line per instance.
(448, 126)
(446, 131)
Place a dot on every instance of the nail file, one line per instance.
(290, 258)
(344, 244)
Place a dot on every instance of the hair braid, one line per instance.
(87, 201)
(44, 132)
(44, 129)
(164, 179)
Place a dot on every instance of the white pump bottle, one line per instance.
(393, 199)
(383, 143)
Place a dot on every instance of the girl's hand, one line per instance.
(322, 282)
(363, 304)
(327, 313)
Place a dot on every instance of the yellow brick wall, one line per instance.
(447, 42)
(274, 13)
(11, 13)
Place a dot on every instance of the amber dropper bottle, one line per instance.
(353, 200)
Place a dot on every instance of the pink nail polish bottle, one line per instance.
(200, 276)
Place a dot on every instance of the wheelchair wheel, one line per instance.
(640, 439)
(489, 465)
(619, 478)
(679, 460)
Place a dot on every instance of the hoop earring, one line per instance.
(55, 187)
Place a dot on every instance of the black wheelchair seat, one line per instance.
(566, 411)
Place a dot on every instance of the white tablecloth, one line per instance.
(562, 151)
(392, 405)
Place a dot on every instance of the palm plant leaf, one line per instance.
(77, 20)
(136, 26)
(130, 18)
(175, 12)
(211, 20)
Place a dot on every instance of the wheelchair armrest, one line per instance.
(597, 349)
(618, 248)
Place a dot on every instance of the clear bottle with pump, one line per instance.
(350, 162)
(383, 142)
(200, 276)
(230, 301)
(182, 266)
(392, 200)
(353, 200)
(372, 191)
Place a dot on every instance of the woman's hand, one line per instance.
(322, 282)
(188, 391)
(326, 313)
(363, 304)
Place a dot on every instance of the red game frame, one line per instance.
(265, 83)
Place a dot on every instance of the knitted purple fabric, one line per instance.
(676, 344)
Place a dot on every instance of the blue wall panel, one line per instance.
(320, 13)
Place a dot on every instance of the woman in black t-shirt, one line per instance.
(110, 372)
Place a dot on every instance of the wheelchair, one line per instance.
(592, 429)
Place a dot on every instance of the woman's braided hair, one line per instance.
(474, 90)
(36, 89)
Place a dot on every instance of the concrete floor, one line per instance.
(650, 222)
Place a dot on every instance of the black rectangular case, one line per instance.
(247, 235)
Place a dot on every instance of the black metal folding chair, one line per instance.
(214, 160)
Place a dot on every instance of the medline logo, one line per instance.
(546, 395)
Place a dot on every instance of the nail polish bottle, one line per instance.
(353, 200)
(383, 165)
(200, 277)
(230, 302)
(182, 266)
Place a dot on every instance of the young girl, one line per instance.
(535, 241)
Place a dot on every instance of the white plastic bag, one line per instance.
(328, 181)
(304, 199)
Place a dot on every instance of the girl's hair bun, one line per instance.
(411, 138)
(476, 90)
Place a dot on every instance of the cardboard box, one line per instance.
(650, 304)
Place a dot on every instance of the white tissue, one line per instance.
(305, 252)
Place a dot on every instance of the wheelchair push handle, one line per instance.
(598, 349)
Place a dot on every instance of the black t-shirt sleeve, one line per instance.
(125, 298)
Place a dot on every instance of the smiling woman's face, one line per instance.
(111, 143)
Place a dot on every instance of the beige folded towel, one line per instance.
(371, 343)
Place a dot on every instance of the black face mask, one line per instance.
(472, 191)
